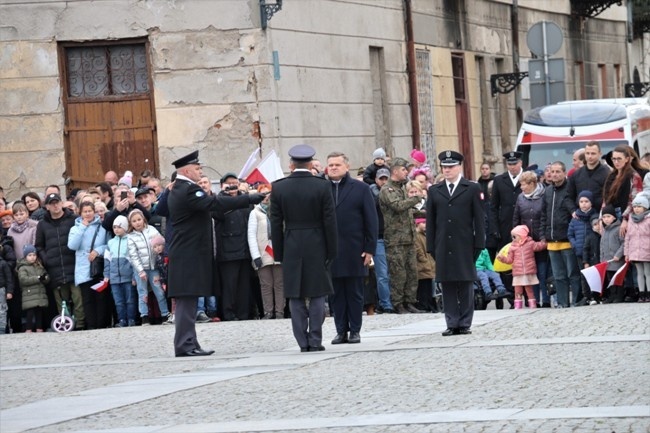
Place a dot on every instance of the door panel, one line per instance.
(111, 128)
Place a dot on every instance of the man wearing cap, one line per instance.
(146, 197)
(505, 190)
(381, 265)
(304, 238)
(192, 269)
(356, 221)
(59, 261)
(125, 202)
(399, 237)
(455, 239)
(233, 254)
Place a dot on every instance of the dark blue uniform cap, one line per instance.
(512, 157)
(302, 153)
(190, 158)
(450, 157)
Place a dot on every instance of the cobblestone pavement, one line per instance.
(568, 370)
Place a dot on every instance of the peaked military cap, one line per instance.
(450, 158)
(512, 157)
(190, 158)
(302, 153)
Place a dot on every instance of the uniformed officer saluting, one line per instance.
(303, 231)
(191, 259)
(455, 238)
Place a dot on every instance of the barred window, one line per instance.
(106, 70)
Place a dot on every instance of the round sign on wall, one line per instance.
(535, 38)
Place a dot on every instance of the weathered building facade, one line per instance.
(91, 86)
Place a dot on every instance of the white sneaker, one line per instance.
(170, 319)
(593, 302)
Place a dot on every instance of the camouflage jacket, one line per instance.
(397, 208)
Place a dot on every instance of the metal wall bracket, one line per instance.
(267, 11)
(506, 83)
(636, 90)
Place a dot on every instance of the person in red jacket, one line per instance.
(521, 255)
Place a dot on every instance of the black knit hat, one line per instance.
(609, 210)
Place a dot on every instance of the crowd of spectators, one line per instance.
(562, 221)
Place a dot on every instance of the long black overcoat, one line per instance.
(192, 268)
(303, 233)
(455, 228)
(502, 207)
(356, 218)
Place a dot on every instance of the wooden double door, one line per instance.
(109, 111)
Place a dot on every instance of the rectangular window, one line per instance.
(602, 81)
(579, 76)
(618, 85)
(100, 71)
(425, 102)
(458, 71)
(379, 99)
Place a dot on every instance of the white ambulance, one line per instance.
(554, 132)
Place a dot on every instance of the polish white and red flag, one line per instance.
(267, 171)
(619, 276)
(595, 276)
(250, 164)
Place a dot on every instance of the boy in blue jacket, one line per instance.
(579, 228)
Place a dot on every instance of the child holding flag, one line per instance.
(611, 250)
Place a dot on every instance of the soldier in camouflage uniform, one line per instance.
(399, 237)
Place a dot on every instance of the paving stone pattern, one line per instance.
(589, 357)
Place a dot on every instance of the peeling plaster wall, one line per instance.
(213, 82)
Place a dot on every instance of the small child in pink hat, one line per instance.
(521, 255)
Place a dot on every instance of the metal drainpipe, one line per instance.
(514, 20)
(410, 67)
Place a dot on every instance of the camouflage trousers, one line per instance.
(402, 268)
(3, 310)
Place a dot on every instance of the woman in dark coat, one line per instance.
(528, 212)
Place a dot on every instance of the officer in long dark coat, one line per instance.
(455, 238)
(191, 259)
(303, 235)
(505, 190)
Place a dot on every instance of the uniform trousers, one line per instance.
(458, 300)
(235, 289)
(307, 317)
(185, 324)
(347, 303)
(402, 268)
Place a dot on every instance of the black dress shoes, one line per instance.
(450, 331)
(316, 348)
(340, 338)
(304, 349)
(464, 331)
(195, 352)
(354, 338)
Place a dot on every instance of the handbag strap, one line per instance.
(92, 244)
